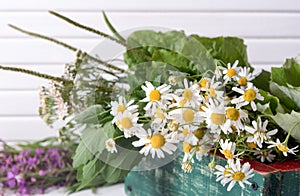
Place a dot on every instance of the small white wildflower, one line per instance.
(110, 145)
(282, 147)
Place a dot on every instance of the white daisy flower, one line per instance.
(223, 174)
(231, 72)
(228, 149)
(282, 147)
(156, 143)
(185, 115)
(234, 119)
(186, 133)
(110, 145)
(204, 83)
(264, 155)
(259, 132)
(214, 91)
(155, 96)
(244, 76)
(239, 174)
(215, 115)
(248, 96)
(160, 117)
(190, 93)
(121, 105)
(127, 122)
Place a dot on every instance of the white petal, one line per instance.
(231, 185)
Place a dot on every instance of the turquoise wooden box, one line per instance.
(274, 179)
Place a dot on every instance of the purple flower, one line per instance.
(43, 172)
(23, 190)
(39, 151)
(32, 162)
(12, 177)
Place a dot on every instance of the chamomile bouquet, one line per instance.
(175, 94)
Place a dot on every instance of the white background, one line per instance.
(271, 29)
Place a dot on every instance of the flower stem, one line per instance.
(87, 28)
(120, 41)
(66, 46)
(118, 137)
(34, 73)
(112, 29)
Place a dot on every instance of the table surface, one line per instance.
(117, 189)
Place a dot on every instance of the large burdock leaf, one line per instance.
(184, 53)
(288, 74)
(226, 49)
(289, 121)
(289, 96)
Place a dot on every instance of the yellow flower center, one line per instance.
(110, 144)
(232, 114)
(187, 147)
(154, 95)
(188, 115)
(126, 123)
(218, 119)
(187, 94)
(227, 171)
(238, 176)
(242, 81)
(203, 83)
(212, 92)
(182, 102)
(251, 145)
(227, 154)
(260, 133)
(121, 108)
(231, 72)
(159, 113)
(282, 148)
(199, 133)
(264, 154)
(197, 149)
(185, 132)
(249, 95)
(157, 141)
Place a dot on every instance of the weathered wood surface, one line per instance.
(282, 179)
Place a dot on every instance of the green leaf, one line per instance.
(89, 115)
(90, 172)
(117, 165)
(272, 101)
(82, 155)
(226, 49)
(289, 96)
(288, 74)
(176, 60)
(287, 121)
(170, 47)
(94, 137)
(262, 81)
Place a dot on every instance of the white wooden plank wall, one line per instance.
(271, 29)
